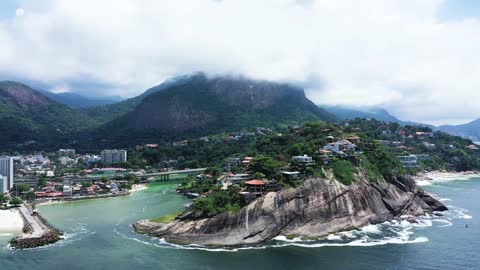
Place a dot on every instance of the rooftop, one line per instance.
(255, 182)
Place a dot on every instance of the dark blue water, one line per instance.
(99, 237)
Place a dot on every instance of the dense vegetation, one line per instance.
(272, 152)
(26, 115)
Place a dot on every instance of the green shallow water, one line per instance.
(99, 236)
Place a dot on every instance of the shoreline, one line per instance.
(11, 222)
(36, 230)
(428, 178)
(246, 227)
(135, 188)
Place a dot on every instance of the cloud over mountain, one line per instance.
(394, 53)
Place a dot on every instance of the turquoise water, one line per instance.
(99, 236)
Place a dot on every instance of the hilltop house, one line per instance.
(428, 145)
(340, 147)
(472, 147)
(304, 160)
(423, 135)
(291, 175)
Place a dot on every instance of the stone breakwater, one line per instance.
(36, 231)
(314, 210)
(50, 237)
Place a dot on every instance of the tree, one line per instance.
(42, 182)
(3, 198)
(214, 171)
(86, 184)
(22, 188)
(259, 175)
(132, 178)
(265, 164)
(30, 195)
(16, 201)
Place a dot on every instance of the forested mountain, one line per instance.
(26, 115)
(201, 104)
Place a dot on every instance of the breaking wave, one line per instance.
(448, 177)
(406, 230)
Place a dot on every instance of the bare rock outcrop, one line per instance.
(317, 208)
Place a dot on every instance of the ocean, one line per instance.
(99, 236)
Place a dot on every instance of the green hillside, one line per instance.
(27, 115)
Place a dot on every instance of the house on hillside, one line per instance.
(340, 146)
(291, 175)
(423, 135)
(304, 160)
(247, 160)
(354, 139)
(180, 143)
(428, 145)
(472, 147)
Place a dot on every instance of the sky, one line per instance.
(417, 58)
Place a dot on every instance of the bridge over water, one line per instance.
(164, 176)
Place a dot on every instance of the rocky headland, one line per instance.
(315, 209)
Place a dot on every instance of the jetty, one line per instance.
(36, 230)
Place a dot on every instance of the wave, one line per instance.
(390, 232)
(448, 177)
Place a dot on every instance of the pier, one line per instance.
(36, 231)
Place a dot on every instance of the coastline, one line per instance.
(284, 213)
(138, 187)
(135, 188)
(428, 178)
(11, 222)
(36, 230)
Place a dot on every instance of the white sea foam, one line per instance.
(393, 232)
(445, 223)
(436, 177)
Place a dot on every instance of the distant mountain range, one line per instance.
(186, 105)
(75, 101)
(380, 114)
(469, 130)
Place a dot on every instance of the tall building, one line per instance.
(6, 170)
(66, 153)
(113, 156)
(3, 185)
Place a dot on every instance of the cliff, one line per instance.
(201, 104)
(317, 208)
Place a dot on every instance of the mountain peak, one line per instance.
(22, 95)
(199, 102)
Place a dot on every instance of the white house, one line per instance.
(303, 159)
(340, 146)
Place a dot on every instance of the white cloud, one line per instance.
(394, 53)
(19, 12)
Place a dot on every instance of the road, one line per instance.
(37, 225)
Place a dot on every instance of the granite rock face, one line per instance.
(317, 208)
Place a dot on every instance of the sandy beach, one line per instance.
(428, 178)
(138, 187)
(10, 222)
